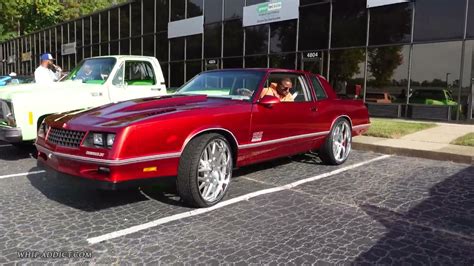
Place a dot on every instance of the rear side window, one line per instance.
(139, 73)
(320, 93)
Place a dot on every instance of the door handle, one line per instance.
(156, 89)
(314, 109)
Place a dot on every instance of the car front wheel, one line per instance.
(205, 170)
(338, 143)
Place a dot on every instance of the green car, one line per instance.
(433, 97)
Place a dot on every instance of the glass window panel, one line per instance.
(233, 38)
(164, 69)
(104, 27)
(72, 33)
(95, 50)
(390, 24)
(283, 36)
(195, 8)
(149, 45)
(87, 33)
(194, 47)
(79, 55)
(349, 23)
(162, 47)
(136, 19)
(192, 69)
(48, 41)
(114, 47)
(433, 75)
(255, 61)
(232, 62)
(136, 46)
(177, 49)
(162, 14)
(439, 19)
(254, 2)
(65, 38)
(213, 12)
(114, 24)
(286, 61)
(104, 49)
(387, 79)
(467, 92)
(125, 47)
(148, 16)
(177, 9)
(78, 32)
(314, 27)
(233, 9)
(212, 40)
(256, 40)
(87, 52)
(347, 71)
(95, 28)
(309, 2)
(124, 21)
(176, 74)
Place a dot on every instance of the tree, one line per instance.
(20, 17)
(382, 63)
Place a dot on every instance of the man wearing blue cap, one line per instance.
(44, 74)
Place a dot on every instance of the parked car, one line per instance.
(216, 122)
(432, 97)
(7, 80)
(379, 97)
(94, 82)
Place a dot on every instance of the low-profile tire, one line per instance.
(338, 143)
(205, 170)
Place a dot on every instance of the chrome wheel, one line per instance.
(214, 170)
(341, 141)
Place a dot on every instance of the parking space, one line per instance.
(371, 209)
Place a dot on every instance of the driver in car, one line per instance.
(88, 73)
(280, 90)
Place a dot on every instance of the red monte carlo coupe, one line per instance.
(216, 122)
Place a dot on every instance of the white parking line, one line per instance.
(22, 174)
(134, 229)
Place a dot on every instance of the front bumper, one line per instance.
(11, 134)
(107, 174)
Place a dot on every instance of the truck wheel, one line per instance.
(337, 146)
(205, 170)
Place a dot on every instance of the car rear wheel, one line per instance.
(338, 143)
(205, 170)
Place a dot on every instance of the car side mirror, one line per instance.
(268, 100)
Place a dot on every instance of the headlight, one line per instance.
(99, 140)
(42, 130)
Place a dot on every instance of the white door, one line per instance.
(135, 79)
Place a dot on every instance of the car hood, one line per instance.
(128, 112)
(8, 92)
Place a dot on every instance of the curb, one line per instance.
(433, 155)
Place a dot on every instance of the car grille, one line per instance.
(66, 138)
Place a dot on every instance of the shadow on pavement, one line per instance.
(13, 153)
(439, 230)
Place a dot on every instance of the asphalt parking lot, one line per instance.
(372, 209)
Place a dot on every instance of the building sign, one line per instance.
(68, 48)
(376, 3)
(26, 56)
(311, 56)
(186, 27)
(274, 11)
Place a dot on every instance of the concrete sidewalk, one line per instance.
(433, 143)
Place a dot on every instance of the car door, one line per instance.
(135, 79)
(284, 128)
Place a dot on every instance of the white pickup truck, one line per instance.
(94, 82)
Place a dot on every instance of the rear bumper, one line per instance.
(11, 135)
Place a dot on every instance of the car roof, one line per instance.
(263, 70)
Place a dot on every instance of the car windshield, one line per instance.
(92, 71)
(233, 84)
(437, 95)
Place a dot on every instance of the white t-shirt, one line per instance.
(45, 75)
